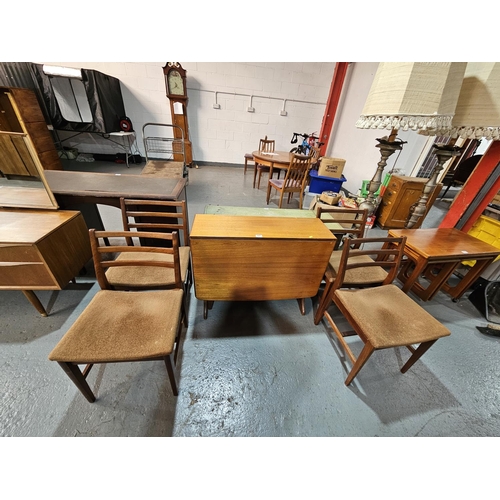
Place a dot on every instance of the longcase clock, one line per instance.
(175, 81)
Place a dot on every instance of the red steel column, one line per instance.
(476, 181)
(332, 104)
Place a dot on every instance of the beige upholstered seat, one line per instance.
(107, 332)
(121, 326)
(382, 316)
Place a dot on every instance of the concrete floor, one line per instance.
(250, 369)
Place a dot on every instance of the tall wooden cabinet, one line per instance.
(401, 193)
(25, 140)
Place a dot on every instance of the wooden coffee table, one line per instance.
(435, 254)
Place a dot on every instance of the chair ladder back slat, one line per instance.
(101, 263)
(388, 256)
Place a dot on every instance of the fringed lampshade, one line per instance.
(409, 96)
(413, 96)
(477, 113)
(477, 116)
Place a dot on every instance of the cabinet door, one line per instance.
(15, 158)
(408, 195)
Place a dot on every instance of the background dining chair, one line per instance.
(294, 181)
(461, 174)
(119, 326)
(157, 216)
(383, 316)
(265, 146)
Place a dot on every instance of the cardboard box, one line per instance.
(331, 167)
(329, 197)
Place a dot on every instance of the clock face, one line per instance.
(175, 83)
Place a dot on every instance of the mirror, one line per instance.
(22, 181)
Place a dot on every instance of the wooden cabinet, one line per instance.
(25, 141)
(41, 250)
(401, 193)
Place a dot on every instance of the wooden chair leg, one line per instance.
(172, 375)
(268, 193)
(421, 349)
(258, 180)
(324, 302)
(254, 174)
(360, 362)
(302, 306)
(78, 379)
(281, 198)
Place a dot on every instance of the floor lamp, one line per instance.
(408, 96)
(477, 116)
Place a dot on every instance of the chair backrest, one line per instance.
(266, 146)
(384, 253)
(343, 222)
(465, 168)
(146, 215)
(103, 260)
(296, 174)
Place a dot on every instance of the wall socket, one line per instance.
(216, 106)
(250, 109)
(283, 112)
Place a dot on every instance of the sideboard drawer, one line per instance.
(19, 253)
(28, 276)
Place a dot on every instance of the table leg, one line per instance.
(35, 301)
(465, 283)
(409, 281)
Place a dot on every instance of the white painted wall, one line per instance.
(224, 135)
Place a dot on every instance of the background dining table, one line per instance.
(275, 160)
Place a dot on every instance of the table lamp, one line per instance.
(477, 116)
(408, 96)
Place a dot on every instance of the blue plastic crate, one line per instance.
(319, 183)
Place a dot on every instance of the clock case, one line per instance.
(179, 111)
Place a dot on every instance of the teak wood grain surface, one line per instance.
(258, 258)
(435, 254)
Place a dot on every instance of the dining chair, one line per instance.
(265, 146)
(121, 326)
(158, 216)
(345, 224)
(383, 316)
(294, 181)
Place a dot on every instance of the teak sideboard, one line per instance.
(41, 250)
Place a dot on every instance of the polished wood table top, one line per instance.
(259, 227)
(439, 243)
(435, 254)
(109, 188)
(29, 226)
(276, 159)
